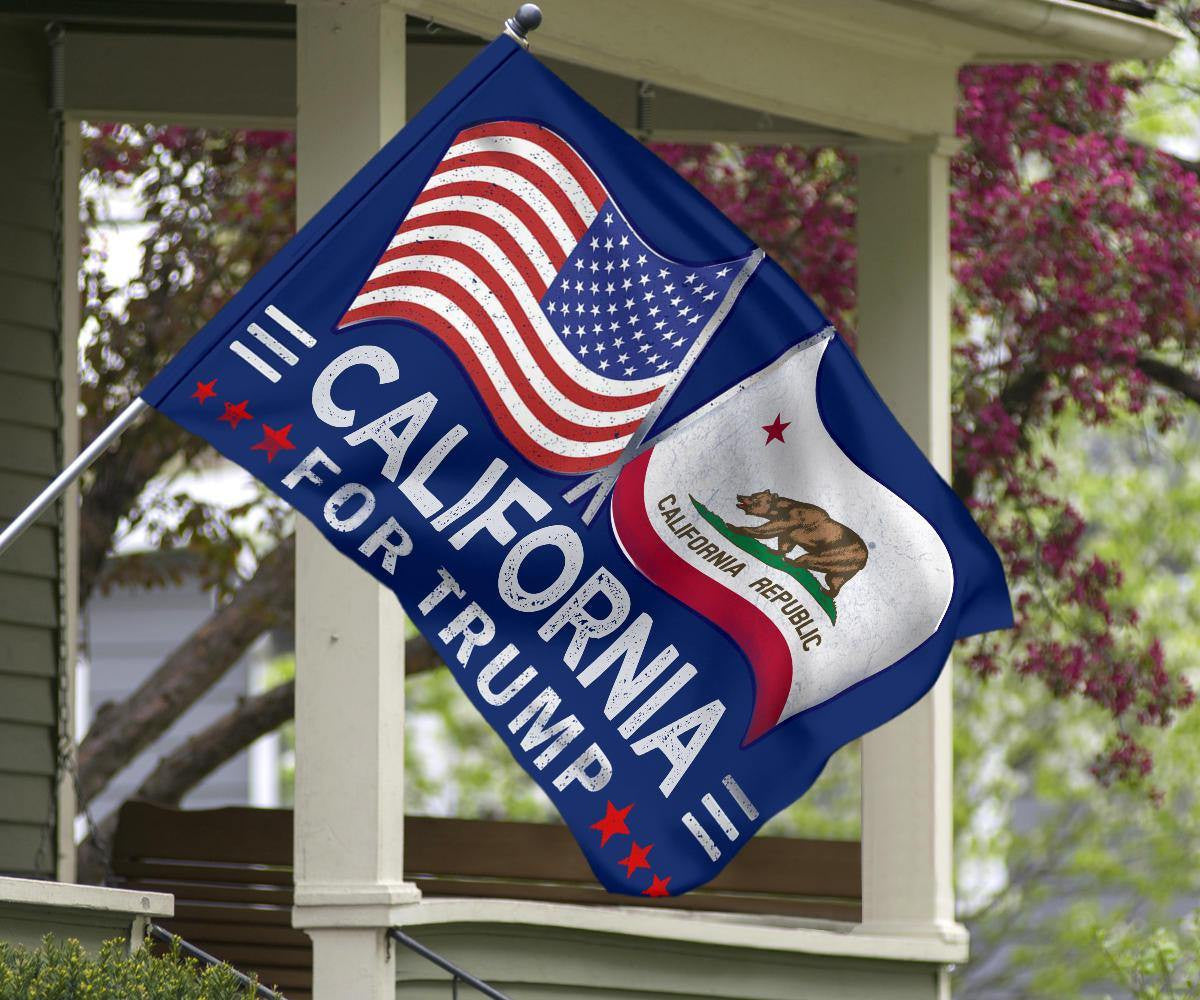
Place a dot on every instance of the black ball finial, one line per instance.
(525, 20)
(528, 16)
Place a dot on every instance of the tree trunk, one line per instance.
(187, 765)
(184, 768)
(190, 763)
(122, 730)
(1182, 382)
(115, 482)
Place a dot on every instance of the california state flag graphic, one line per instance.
(750, 513)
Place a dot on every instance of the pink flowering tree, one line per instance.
(1075, 253)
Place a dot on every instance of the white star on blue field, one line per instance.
(625, 312)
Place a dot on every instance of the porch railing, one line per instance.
(231, 873)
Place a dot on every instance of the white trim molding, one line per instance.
(904, 345)
(1079, 30)
(32, 907)
(36, 892)
(763, 933)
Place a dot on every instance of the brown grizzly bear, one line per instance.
(829, 547)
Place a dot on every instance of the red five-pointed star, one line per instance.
(204, 390)
(658, 887)
(233, 415)
(613, 822)
(636, 859)
(274, 441)
(775, 430)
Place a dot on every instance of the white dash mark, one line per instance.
(254, 361)
(288, 356)
(702, 837)
(718, 814)
(740, 797)
(292, 327)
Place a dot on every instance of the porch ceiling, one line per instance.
(805, 71)
(879, 68)
(980, 29)
(239, 79)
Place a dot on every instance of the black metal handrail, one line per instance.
(164, 935)
(458, 975)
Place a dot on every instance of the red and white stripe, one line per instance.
(643, 539)
(492, 229)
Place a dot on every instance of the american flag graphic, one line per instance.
(569, 325)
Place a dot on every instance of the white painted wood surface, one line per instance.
(349, 834)
(904, 344)
(765, 933)
(36, 892)
(561, 961)
(866, 66)
(92, 915)
(873, 67)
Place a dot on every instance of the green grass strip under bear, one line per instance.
(763, 553)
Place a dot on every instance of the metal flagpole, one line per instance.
(517, 27)
(78, 466)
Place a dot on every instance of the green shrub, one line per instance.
(64, 971)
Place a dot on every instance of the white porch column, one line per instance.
(904, 344)
(349, 835)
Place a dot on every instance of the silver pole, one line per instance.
(72, 472)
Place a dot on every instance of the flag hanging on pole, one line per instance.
(640, 498)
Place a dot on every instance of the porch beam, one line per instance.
(201, 79)
(853, 75)
(250, 81)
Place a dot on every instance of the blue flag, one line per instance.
(638, 495)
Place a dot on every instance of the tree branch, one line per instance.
(192, 761)
(1016, 398)
(116, 481)
(1021, 392)
(183, 768)
(419, 657)
(122, 730)
(1170, 377)
(178, 772)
